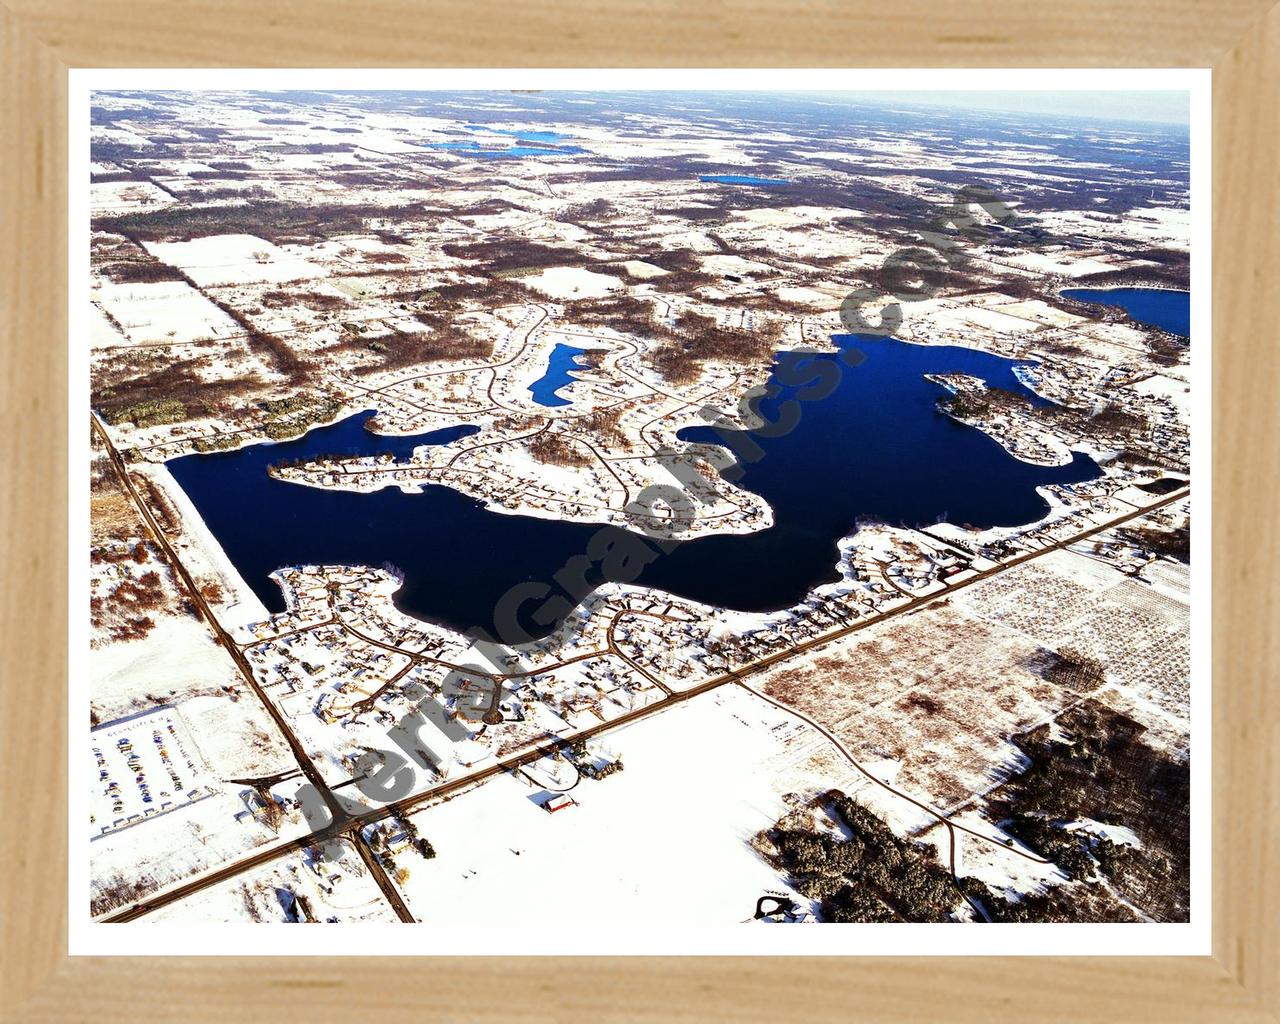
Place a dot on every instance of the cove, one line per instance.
(1166, 308)
(875, 449)
(560, 366)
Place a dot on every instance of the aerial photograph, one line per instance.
(606, 509)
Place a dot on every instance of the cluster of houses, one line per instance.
(344, 659)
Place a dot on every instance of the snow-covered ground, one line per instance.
(233, 259)
(572, 282)
(665, 839)
(177, 659)
(166, 311)
(127, 196)
(1176, 391)
(641, 269)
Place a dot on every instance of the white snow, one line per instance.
(641, 269)
(165, 311)
(666, 838)
(176, 660)
(572, 282)
(1160, 386)
(233, 259)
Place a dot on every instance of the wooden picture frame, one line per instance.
(1239, 39)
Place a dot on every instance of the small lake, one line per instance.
(532, 136)
(1166, 308)
(875, 449)
(472, 148)
(742, 179)
(560, 366)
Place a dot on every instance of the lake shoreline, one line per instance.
(912, 465)
(1158, 309)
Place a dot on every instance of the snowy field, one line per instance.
(572, 283)
(1068, 600)
(641, 269)
(233, 259)
(939, 691)
(663, 840)
(127, 196)
(176, 660)
(167, 311)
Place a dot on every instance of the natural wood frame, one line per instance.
(41, 39)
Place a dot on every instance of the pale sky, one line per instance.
(1171, 106)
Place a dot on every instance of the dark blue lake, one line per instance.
(560, 366)
(741, 179)
(875, 448)
(1166, 308)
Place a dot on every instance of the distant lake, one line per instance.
(876, 448)
(563, 361)
(1166, 308)
(532, 136)
(742, 179)
(473, 148)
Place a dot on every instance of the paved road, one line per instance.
(305, 764)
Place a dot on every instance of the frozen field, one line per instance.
(664, 840)
(167, 311)
(233, 259)
(176, 660)
(572, 282)
(1067, 600)
(939, 691)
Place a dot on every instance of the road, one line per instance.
(225, 640)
